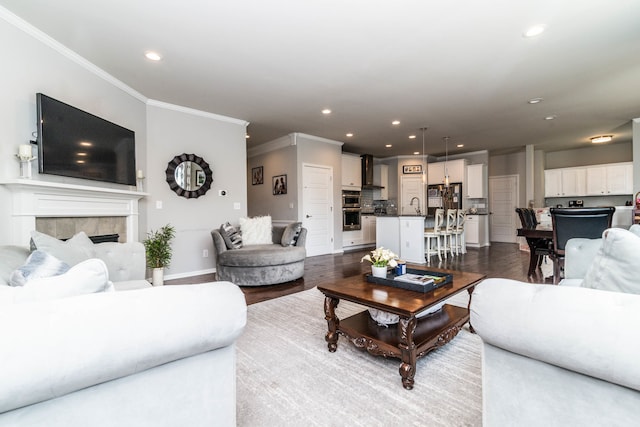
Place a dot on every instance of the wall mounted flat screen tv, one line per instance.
(77, 144)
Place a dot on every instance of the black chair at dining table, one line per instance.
(538, 247)
(569, 223)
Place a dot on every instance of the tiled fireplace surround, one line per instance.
(63, 210)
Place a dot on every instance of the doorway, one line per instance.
(503, 200)
(317, 208)
(411, 186)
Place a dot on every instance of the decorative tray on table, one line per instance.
(415, 280)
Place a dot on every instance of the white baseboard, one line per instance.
(188, 274)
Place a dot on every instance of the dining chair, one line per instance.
(569, 223)
(538, 247)
(433, 237)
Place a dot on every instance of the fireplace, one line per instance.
(44, 205)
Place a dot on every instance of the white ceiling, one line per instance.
(462, 68)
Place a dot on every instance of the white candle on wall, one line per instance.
(25, 151)
(140, 174)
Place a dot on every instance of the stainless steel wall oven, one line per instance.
(351, 218)
(351, 211)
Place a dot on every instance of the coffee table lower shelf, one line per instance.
(408, 340)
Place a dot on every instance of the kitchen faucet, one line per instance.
(417, 208)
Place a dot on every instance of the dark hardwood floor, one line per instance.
(503, 260)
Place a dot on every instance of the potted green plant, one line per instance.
(157, 247)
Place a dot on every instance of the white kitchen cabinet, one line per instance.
(368, 229)
(476, 181)
(455, 168)
(352, 238)
(381, 178)
(412, 239)
(435, 173)
(476, 230)
(565, 182)
(351, 172)
(611, 179)
(387, 233)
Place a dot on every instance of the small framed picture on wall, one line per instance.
(279, 185)
(257, 176)
(412, 169)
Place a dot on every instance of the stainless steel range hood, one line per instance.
(367, 172)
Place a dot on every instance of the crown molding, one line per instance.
(194, 112)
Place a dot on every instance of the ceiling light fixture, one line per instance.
(533, 31)
(446, 158)
(326, 111)
(412, 137)
(535, 100)
(601, 139)
(153, 56)
(349, 135)
(415, 153)
(247, 136)
(395, 122)
(388, 145)
(551, 117)
(460, 145)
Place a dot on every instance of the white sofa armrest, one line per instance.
(57, 347)
(584, 330)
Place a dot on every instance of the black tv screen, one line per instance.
(77, 144)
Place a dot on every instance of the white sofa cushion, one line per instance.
(87, 277)
(256, 231)
(77, 249)
(616, 266)
(39, 264)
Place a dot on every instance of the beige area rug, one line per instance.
(287, 377)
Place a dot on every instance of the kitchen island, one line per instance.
(404, 235)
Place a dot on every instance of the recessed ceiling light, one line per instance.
(601, 139)
(80, 161)
(153, 56)
(395, 122)
(326, 111)
(388, 145)
(349, 135)
(536, 30)
(460, 145)
(551, 117)
(247, 136)
(535, 100)
(416, 152)
(81, 154)
(412, 137)
(86, 144)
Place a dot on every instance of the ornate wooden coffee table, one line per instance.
(412, 337)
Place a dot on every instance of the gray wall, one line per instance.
(221, 143)
(592, 155)
(162, 131)
(30, 66)
(260, 198)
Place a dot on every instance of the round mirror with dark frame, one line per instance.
(189, 176)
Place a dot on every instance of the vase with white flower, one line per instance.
(380, 259)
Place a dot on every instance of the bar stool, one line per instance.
(448, 234)
(433, 236)
(457, 237)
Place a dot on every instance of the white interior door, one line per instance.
(317, 208)
(503, 200)
(411, 186)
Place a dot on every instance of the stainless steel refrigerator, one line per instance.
(439, 196)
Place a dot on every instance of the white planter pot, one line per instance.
(378, 271)
(158, 276)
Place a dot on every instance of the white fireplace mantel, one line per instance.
(31, 199)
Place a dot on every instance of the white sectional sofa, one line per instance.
(150, 356)
(565, 355)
